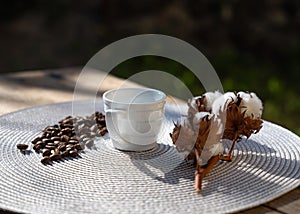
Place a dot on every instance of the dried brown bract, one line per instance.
(238, 124)
(183, 137)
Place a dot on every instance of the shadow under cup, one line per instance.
(134, 117)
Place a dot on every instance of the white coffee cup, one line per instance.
(134, 117)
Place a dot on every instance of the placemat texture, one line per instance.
(105, 180)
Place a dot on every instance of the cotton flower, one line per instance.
(193, 103)
(213, 140)
(242, 118)
(210, 99)
(204, 102)
(198, 117)
(252, 104)
(198, 137)
(213, 145)
(211, 118)
(220, 104)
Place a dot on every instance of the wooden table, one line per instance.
(31, 88)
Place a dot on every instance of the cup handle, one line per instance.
(113, 126)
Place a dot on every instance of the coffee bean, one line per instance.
(46, 152)
(80, 127)
(22, 146)
(85, 139)
(69, 149)
(93, 134)
(55, 138)
(50, 144)
(66, 126)
(103, 131)
(101, 121)
(60, 140)
(46, 160)
(73, 142)
(94, 128)
(47, 140)
(73, 153)
(78, 147)
(79, 121)
(55, 157)
(83, 136)
(49, 128)
(62, 147)
(72, 134)
(64, 154)
(42, 144)
(90, 143)
(65, 119)
(68, 121)
(54, 133)
(37, 147)
(66, 131)
(56, 151)
(39, 142)
(69, 146)
(82, 145)
(36, 140)
(50, 147)
(84, 130)
(57, 142)
(89, 122)
(48, 135)
(65, 138)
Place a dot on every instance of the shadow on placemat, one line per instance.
(7, 212)
(257, 162)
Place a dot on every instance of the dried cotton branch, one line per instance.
(211, 118)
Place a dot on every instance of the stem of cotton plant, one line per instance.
(228, 157)
(202, 171)
(198, 174)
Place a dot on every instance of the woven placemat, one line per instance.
(105, 180)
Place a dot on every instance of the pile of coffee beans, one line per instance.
(68, 138)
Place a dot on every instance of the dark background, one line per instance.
(253, 45)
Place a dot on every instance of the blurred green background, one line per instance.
(253, 45)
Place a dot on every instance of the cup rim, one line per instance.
(106, 99)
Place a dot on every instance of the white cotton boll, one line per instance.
(230, 96)
(193, 102)
(199, 116)
(210, 98)
(253, 105)
(220, 104)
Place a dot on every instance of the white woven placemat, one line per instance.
(106, 180)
